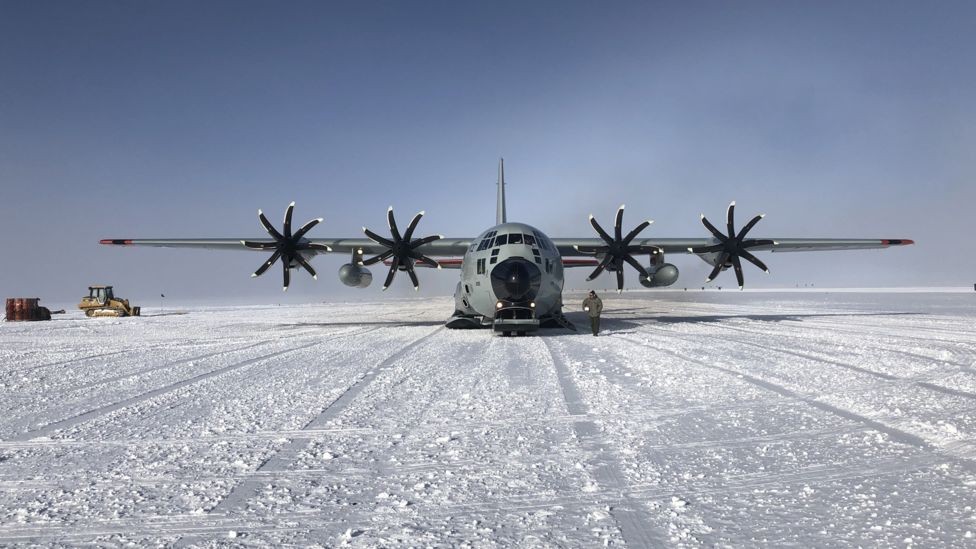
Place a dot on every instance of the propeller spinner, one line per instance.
(287, 246)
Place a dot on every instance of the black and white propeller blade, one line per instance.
(618, 249)
(731, 247)
(287, 246)
(402, 249)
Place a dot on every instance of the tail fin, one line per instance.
(500, 207)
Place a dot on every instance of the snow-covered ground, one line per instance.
(715, 418)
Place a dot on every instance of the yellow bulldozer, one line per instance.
(100, 301)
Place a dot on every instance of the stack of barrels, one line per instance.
(26, 308)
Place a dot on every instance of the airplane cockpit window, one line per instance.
(501, 240)
(529, 240)
(515, 238)
(541, 240)
(484, 245)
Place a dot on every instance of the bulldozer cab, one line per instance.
(101, 294)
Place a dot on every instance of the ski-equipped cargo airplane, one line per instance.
(512, 273)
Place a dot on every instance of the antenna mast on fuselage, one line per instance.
(500, 207)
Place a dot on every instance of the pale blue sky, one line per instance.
(181, 119)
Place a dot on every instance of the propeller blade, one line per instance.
(305, 228)
(630, 236)
(711, 228)
(393, 269)
(429, 261)
(264, 266)
(259, 245)
(620, 279)
(286, 274)
(268, 227)
(730, 219)
(288, 213)
(301, 261)
(377, 238)
(737, 265)
(617, 222)
(319, 247)
(425, 240)
(752, 223)
(413, 225)
(754, 260)
(413, 277)
(635, 264)
(393, 226)
(599, 268)
(603, 234)
(376, 259)
(718, 267)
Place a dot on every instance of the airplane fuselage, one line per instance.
(510, 265)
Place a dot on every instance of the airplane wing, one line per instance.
(570, 247)
(444, 247)
(567, 263)
(447, 247)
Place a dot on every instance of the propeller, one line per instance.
(287, 246)
(618, 249)
(403, 249)
(733, 246)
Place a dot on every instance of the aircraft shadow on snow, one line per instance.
(609, 320)
(388, 323)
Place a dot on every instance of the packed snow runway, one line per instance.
(715, 418)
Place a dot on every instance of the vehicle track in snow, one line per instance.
(163, 366)
(894, 433)
(55, 426)
(605, 465)
(919, 380)
(279, 461)
(968, 351)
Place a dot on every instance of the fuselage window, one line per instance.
(501, 240)
(481, 266)
(494, 259)
(515, 238)
(538, 260)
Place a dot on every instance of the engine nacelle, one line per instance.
(665, 275)
(355, 276)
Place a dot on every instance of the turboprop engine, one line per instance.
(355, 276)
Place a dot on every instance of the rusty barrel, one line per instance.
(24, 308)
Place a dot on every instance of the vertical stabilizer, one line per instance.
(500, 207)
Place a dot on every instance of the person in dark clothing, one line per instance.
(593, 305)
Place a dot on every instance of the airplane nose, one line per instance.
(516, 279)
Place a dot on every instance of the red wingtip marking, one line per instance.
(898, 242)
(115, 241)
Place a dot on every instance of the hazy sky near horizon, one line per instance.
(181, 119)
